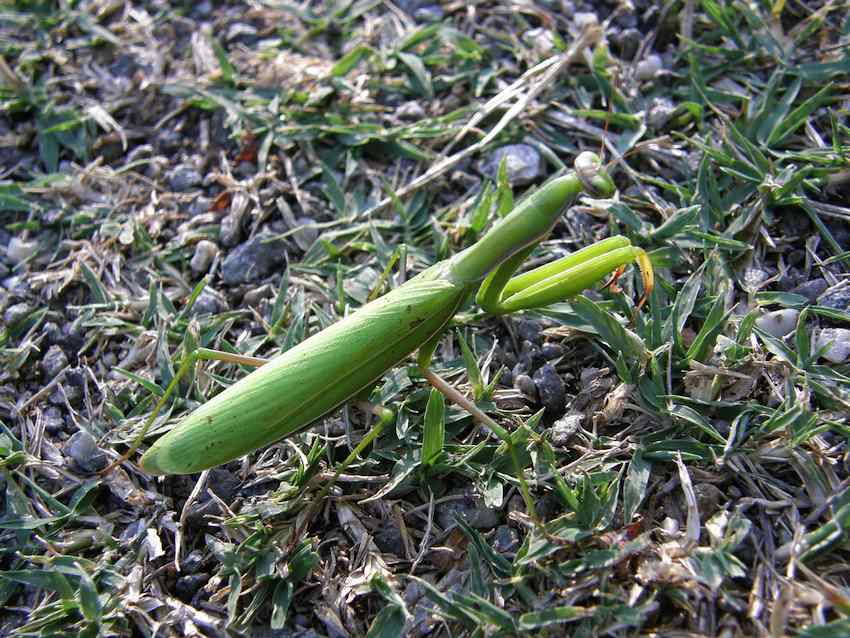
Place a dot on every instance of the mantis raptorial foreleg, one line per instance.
(458, 398)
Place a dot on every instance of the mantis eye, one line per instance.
(588, 169)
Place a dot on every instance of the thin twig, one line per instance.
(184, 514)
(46, 390)
(426, 537)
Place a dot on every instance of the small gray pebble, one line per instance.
(541, 40)
(523, 163)
(565, 428)
(182, 178)
(626, 43)
(659, 113)
(506, 539)
(552, 351)
(649, 67)
(192, 561)
(779, 322)
(410, 111)
(388, 539)
(253, 297)
(584, 19)
(17, 285)
(835, 342)
(531, 357)
(205, 252)
(474, 513)
(525, 384)
(17, 313)
(200, 205)
(53, 362)
(82, 449)
(57, 336)
(307, 233)
(54, 423)
(528, 330)
(430, 13)
(230, 228)
(208, 303)
(72, 394)
(19, 250)
(253, 260)
(550, 387)
(670, 526)
(811, 290)
(836, 297)
(187, 586)
(75, 377)
(755, 277)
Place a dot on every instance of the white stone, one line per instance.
(18, 250)
(836, 342)
(779, 322)
(649, 67)
(205, 252)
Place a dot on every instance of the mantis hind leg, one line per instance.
(457, 397)
(385, 417)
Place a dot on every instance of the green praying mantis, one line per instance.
(291, 391)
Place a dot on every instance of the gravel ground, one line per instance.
(239, 176)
